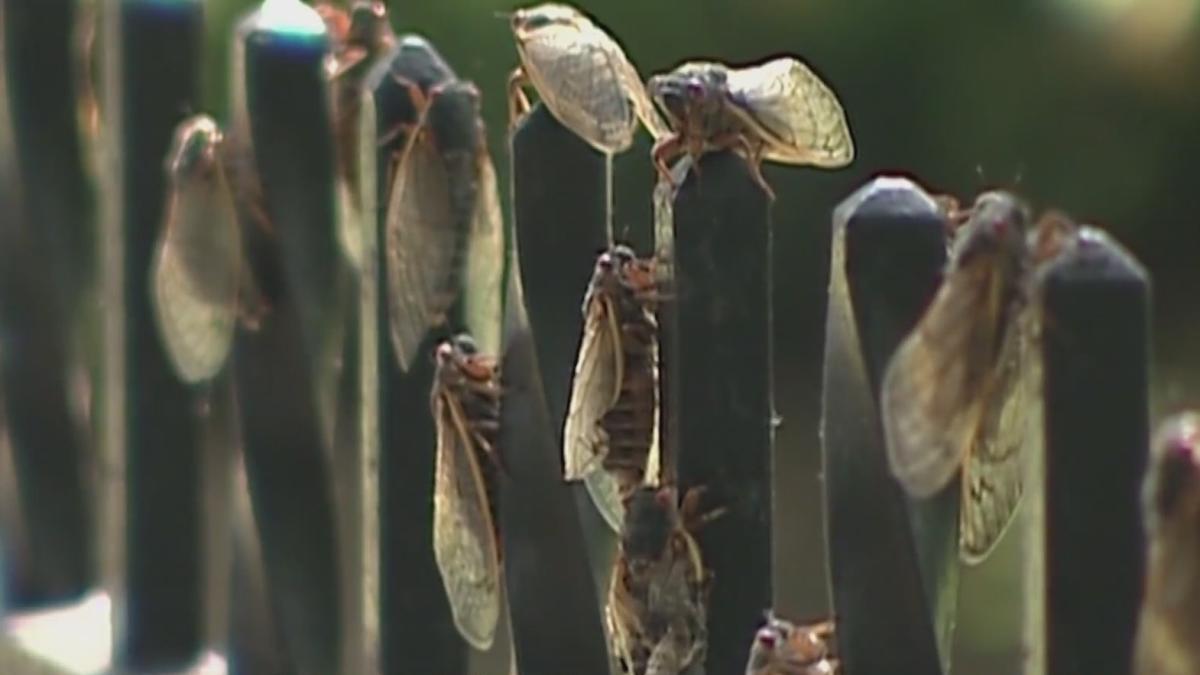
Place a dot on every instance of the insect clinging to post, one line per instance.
(196, 274)
(778, 111)
(658, 596)
(582, 75)
(443, 236)
(962, 391)
(611, 434)
(783, 648)
(466, 542)
(1168, 637)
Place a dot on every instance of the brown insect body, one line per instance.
(613, 413)
(1168, 640)
(783, 648)
(466, 539)
(658, 598)
(778, 110)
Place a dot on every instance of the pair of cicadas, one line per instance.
(779, 110)
(961, 395)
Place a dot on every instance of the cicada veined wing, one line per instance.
(197, 265)
(951, 397)
(583, 77)
(611, 434)
(466, 544)
(794, 111)
(422, 244)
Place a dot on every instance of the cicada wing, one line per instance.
(421, 246)
(464, 536)
(602, 487)
(579, 74)
(195, 275)
(794, 111)
(654, 458)
(483, 294)
(993, 475)
(594, 390)
(930, 398)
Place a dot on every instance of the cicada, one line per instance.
(783, 648)
(466, 542)
(779, 111)
(357, 38)
(611, 435)
(960, 389)
(443, 236)
(1168, 640)
(658, 597)
(582, 75)
(197, 269)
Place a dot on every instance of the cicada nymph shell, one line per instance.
(582, 75)
(196, 270)
(962, 391)
(611, 435)
(783, 648)
(658, 597)
(779, 111)
(466, 541)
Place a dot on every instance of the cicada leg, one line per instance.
(420, 102)
(664, 148)
(518, 102)
(689, 511)
(739, 141)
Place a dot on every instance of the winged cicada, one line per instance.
(658, 597)
(611, 435)
(963, 390)
(466, 541)
(779, 111)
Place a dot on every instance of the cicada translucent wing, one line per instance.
(196, 267)
(783, 648)
(466, 543)
(483, 279)
(582, 75)
(1168, 640)
(958, 390)
(779, 111)
(611, 435)
(423, 243)
(357, 38)
(658, 597)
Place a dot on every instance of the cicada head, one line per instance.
(1172, 492)
(693, 97)
(994, 235)
(651, 515)
(458, 359)
(529, 20)
(368, 23)
(781, 647)
(193, 151)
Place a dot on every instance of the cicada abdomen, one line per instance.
(611, 435)
(658, 597)
(466, 542)
(781, 647)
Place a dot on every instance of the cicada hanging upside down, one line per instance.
(611, 435)
(582, 76)
(198, 275)
(778, 111)
(962, 391)
(783, 648)
(658, 598)
(466, 542)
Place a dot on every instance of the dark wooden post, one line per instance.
(720, 372)
(893, 585)
(1095, 350)
(46, 281)
(283, 366)
(555, 617)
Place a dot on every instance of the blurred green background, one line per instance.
(1091, 106)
